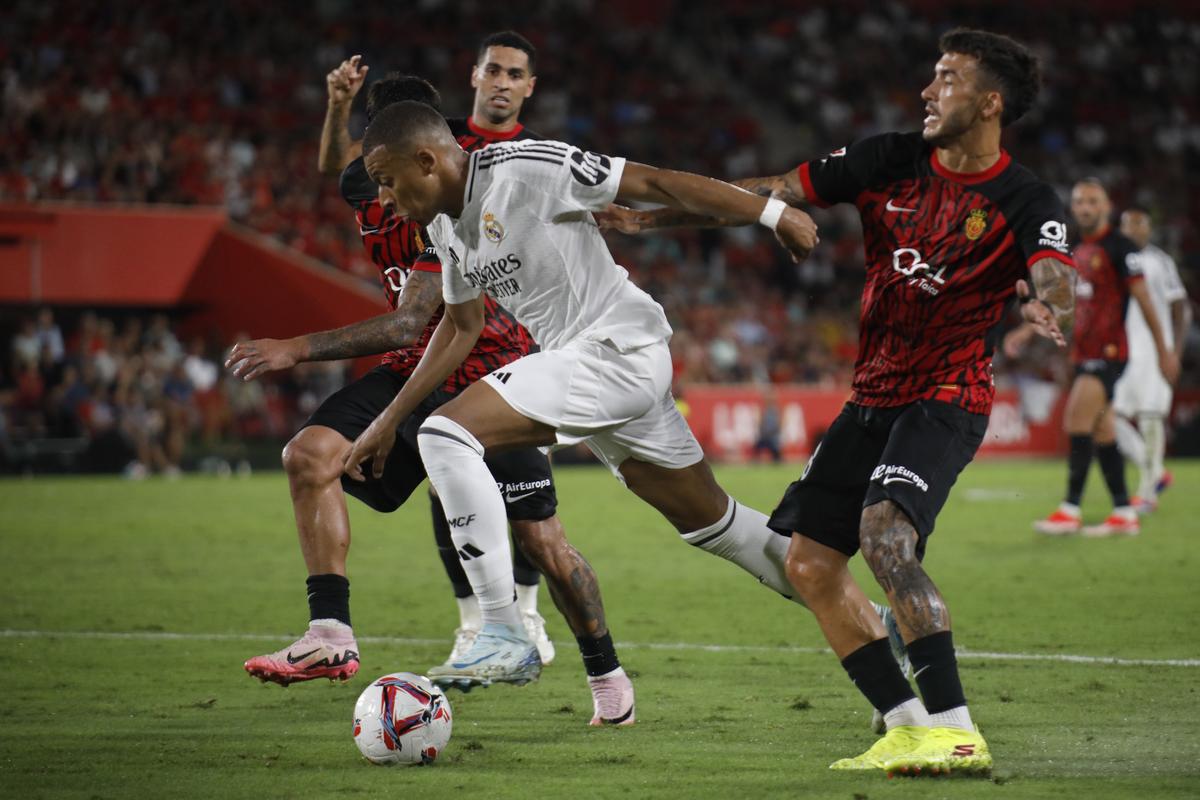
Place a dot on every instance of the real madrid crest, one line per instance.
(492, 229)
(976, 224)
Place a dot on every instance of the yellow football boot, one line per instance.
(896, 742)
(943, 751)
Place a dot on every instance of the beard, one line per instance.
(952, 127)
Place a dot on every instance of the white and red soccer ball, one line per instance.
(401, 718)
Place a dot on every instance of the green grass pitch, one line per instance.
(197, 575)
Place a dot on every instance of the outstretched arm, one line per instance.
(785, 187)
(449, 346)
(419, 299)
(337, 148)
(707, 197)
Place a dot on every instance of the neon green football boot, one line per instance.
(943, 751)
(896, 742)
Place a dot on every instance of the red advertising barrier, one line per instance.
(726, 420)
(66, 254)
(226, 277)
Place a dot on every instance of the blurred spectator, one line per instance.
(50, 338)
(770, 429)
(26, 346)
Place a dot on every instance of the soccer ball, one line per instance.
(401, 718)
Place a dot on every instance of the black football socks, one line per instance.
(1079, 461)
(329, 597)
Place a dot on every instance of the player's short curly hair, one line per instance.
(1013, 66)
(509, 39)
(396, 88)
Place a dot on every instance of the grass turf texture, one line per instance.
(155, 716)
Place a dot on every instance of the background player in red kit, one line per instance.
(1108, 275)
(411, 276)
(952, 228)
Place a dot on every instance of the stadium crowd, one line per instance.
(128, 394)
(170, 107)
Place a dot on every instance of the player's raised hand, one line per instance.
(248, 360)
(375, 443)
(344, 81)
(797, 232)
(619, 218)
(1038, 315)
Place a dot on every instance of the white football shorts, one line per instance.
(1142, 389)
(619, 404)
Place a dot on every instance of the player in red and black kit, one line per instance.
(411, 277)
(1108, 276)
(953, 229)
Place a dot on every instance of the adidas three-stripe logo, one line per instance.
(502, 376)
(590, 169)
(469, 551)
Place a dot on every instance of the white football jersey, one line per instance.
(1165, 287)
(526, 237)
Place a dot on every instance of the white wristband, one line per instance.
(771, 213)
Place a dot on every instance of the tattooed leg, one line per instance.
(889, 545)
(569, 577)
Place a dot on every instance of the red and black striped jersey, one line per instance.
(1107, 263)
(944, 251)
(399, 247)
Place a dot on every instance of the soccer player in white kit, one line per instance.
(515, 220)
(1142, 394)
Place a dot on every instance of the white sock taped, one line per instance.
(475, 511)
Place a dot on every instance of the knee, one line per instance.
(441, 437)
(314, 456)
(809, 575)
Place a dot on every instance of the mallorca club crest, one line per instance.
(976, 224)
(492, 229)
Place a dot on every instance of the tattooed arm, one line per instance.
(1048, 309)
(420, 298)
(785, 187)
(1054, 283)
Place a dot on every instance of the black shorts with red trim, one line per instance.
(524, 476)
(910, 454)
(1108, 372)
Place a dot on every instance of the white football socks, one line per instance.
(468, 613)
(741, 535)
(1151, 464)
(1129, 440)
(475, 510)
(957, 717)
(527, 598)
(333, 629)
(910, 712)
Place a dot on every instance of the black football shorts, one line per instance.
(1109, 372)
(910, 454)
(523, 475)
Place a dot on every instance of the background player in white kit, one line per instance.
(522, 231)
(1143, 394)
